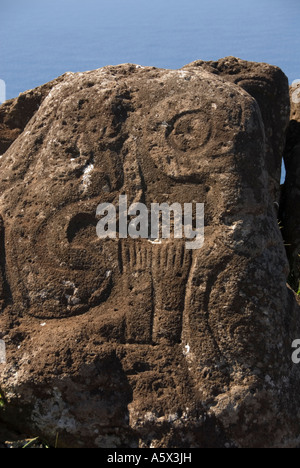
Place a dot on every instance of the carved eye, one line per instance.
(81, 227)
(189, 131)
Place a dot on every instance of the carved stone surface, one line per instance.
(130, 342)
(290, 198)
(269, 86)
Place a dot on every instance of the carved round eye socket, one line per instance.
(190, 131)
(81, 227)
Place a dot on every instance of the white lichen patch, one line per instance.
(184, 74)
(86, 178)
(188, 354)
(52, 414)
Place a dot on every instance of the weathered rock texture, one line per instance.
(268, 85)
(123, 342)
(290, 200)
(16, 113)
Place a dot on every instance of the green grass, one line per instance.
(2, 399)
(37, 442)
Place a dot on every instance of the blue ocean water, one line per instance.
(42, 39)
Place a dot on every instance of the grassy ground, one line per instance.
(10, 439)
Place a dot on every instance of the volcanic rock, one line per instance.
(290, 198)
(16, 113)
(268, 85)
(134, 342)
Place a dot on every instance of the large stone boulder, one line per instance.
(139, 342)
(268, 85)
(290, 198)
(16, 113)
